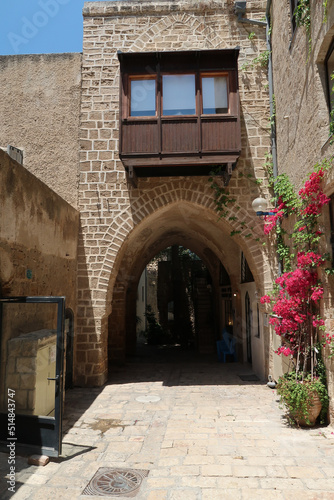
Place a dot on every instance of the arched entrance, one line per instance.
(174, 301)
(191, 226)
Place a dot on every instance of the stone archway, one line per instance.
(162, 214)
(122, 225)
(122, 321)
(191, 225)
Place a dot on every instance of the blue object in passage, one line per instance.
(226, 346)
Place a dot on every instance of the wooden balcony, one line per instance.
(187, 144)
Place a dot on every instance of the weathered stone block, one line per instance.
(39, 460)
(26, 365)
(21, 399)
(27, 381)
(13, 381)
(31, 400)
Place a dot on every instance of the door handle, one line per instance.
(56, 379)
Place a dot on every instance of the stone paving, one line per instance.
(200, 431)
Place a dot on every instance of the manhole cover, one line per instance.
(249, 378)
(115, 482)
(148, 399)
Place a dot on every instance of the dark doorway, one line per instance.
(179, 306)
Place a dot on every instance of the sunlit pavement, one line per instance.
(197, 428)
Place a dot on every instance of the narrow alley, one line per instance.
(181, 428)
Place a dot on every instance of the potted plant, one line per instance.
(296, 299)
(305, 400)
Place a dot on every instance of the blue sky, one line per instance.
(40, 26)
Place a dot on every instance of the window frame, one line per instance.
(161, 96)
(132, 78)
(246, 275)
(158, 77)
(208, 74)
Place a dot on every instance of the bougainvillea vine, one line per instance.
(299, 290)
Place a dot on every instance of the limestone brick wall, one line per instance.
(302, 115)
(124, 227)
(39, 113)
(27, 369)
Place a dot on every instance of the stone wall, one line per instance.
(39, 232)
(124, 227)
(31, 358)
(302, 115)
(39, 113)
(38, 250)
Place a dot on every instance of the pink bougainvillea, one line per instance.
(265, 299)
(271, 220)
(305, 259)
(296, 303)
(284, 350)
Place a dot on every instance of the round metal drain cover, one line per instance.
(148, 399)
(115, 482)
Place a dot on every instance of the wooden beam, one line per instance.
(174, 160)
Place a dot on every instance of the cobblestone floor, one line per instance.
(200, 430)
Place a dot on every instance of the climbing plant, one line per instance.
(325, 6)
(296, 298)
(302, 15)
(261, 60)
(223, 197)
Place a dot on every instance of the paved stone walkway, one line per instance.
(200, 430)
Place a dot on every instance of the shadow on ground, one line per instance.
(173, 365)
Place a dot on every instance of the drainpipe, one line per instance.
(272, 105)
(240, 10)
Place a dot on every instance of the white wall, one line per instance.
(258, 364)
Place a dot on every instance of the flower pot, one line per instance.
(313, 409)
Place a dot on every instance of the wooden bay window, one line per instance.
(179, 112)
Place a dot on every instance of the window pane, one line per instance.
(330, 71)
(214, 91)
(142, 97)
(179, 95)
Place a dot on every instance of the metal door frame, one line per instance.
(39, 434)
